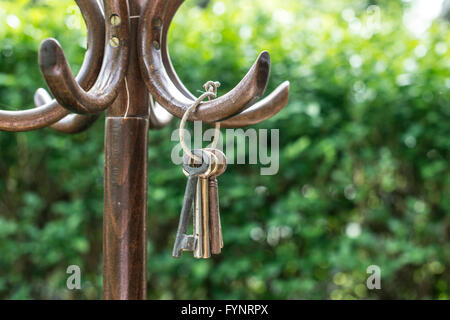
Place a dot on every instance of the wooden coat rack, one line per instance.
(128, 58)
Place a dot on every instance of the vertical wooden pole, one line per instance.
(125, 208)
(124, 224)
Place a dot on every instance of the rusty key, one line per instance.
(204, 189)
(216, 236)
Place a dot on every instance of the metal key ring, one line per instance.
(203, 168)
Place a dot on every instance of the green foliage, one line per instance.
(364, 147)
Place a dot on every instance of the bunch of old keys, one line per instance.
(201, 205)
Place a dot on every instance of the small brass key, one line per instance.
(216, 236)
(198, 222)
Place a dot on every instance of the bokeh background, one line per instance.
(364, 156)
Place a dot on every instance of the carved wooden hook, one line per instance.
(165, 85)
(49, 111)
(105, 67)
(162, 87)
(72, 123)
(93, 16)
(262, 110)
(60, 80)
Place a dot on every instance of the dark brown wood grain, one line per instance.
(135, 101)
(59, 78)
(124, 224)
(95, 23)
(126, 145)
(72, 123)
(48, 113)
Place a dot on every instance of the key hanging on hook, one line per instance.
(183, 241)
(201, 192)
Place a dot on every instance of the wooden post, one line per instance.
(125, 206)
(124, 224)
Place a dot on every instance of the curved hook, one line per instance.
(59, 78)
(262, 110)
(92, 14)
(73, 123)
(259, 112)
(51, 111)
(31, 119)
(153, 31)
